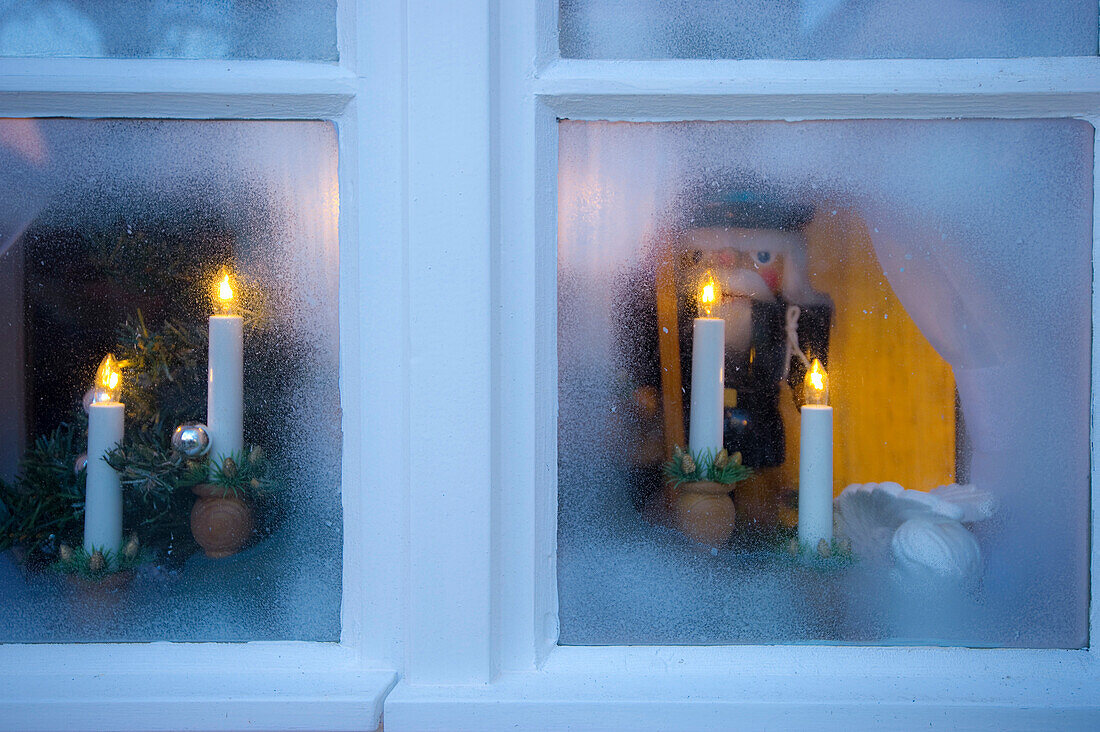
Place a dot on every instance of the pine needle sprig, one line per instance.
(164, 269)
(723, 468)
(100, 563)
(165, 371)
(150, 469)
(244, 474)
(47, 497)
(174, 254)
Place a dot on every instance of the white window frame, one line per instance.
(446, 116)
(481, 647)
(266, 685)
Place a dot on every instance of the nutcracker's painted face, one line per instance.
(766, 262)
(757, 263)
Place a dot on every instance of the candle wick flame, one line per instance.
(107, 380)
(225, 291)
(708, 294)
(817, 385)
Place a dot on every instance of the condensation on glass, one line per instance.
(279, 29)
(820, 29)
(113, 223)
(943, 274)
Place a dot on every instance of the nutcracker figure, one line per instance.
(752, 240)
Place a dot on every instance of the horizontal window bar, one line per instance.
(173, 88)
(679, 90)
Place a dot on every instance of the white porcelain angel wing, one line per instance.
(936, 549)
(870, 513)
(977, 504)
(922, 533)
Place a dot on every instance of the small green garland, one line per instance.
(825, 555)
(100, 563)
(246, 474)
(723, 468)
(243, 474)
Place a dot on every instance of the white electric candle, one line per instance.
(225, 379)
(815, 462)
(103, 492)
(708, 351)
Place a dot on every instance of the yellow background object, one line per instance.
(894, 396)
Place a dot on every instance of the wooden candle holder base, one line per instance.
(220, 524)
(704, 512)
(98, 599)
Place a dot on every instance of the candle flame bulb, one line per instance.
(816, 384)
(107, 379)
(225, 295)
(708, 294)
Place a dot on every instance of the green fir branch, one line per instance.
(81, 563)
(246, 474)
(165, 267)
(823, 555)
(47, 497)
(723, 468)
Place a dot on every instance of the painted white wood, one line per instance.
(189, 685)
(673, 689)
(173, 88)
(264, 685)
(954, 76)
(543, 32)
(210, 698)
(525, 324)
(376, 547)
(795, 90)
(449, 357)
(544, 523)
(277, 656)
(1094, 437)
(351, 35)
(543, 686)
(446, 115)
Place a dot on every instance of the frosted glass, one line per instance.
(279, 29)
(819, 29)
(982, 232)
(96, 216)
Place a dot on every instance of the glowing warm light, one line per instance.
(708, 293)
(107, 379)
(816, 384)
(225, 294)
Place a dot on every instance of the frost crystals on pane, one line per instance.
(939, 275)
(820, 29)
(195, 263)
(276, 29)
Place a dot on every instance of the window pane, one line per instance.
(278, 29)
(114, 235)
(818, 29)
(942, 275)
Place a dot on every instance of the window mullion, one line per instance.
(173, 88)
(793, 90)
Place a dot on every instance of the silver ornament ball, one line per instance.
(191, 440)
(81, 463)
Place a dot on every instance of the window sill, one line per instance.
(192, 686)
(674, 688)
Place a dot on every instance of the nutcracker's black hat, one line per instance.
(755, 206)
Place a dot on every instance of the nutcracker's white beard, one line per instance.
(742, 282)
(790, 244)
(739, 288)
